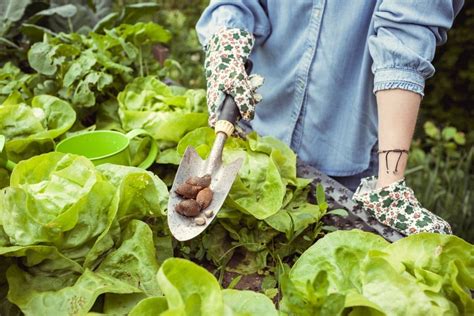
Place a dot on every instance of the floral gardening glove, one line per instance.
(396, 206)
(226, 55)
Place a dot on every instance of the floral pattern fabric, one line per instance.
(396, 206)
(226, 54)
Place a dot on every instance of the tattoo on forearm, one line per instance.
(386, 152)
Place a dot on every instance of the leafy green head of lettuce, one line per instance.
(30, 129)
(424, 274)
(55, 199)
(168, 114)
(129, 271)
(75, 230)
(191, 290)
(64, 200)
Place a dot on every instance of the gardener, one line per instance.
(344, 82)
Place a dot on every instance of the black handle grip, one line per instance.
(230, 112)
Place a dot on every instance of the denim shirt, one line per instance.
(323, 60)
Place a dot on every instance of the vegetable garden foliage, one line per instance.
(361, 273)
(86, 71)
(450, 94)
(30, 129)
(70, 232)
(24, 22)
(440, 170)
(78, 239)
(75, 237)
(180, 18)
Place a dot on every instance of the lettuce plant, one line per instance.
(191, 290)
(30, 128)
(362, 274)
(75, 231)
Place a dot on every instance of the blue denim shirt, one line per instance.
(323, 60)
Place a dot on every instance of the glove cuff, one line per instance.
(369, 184)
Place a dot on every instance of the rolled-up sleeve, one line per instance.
(406, 35)
(248, 15)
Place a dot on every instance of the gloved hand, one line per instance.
(396, 206)
(226, 54)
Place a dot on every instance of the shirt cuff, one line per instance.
(399, 78)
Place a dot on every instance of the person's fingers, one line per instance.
(256, 81)
(247, 99)
(257, 98)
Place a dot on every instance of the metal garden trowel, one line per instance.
(222, 176)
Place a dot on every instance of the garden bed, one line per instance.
(79, 239)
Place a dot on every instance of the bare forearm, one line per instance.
(397, 113)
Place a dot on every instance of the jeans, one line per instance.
(352, 182)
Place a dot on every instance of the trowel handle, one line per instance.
(230, 112)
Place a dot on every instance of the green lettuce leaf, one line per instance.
(138, 194)
(134, 262)
(339, 254)
(150, 307)
(42, 58)
(259, 190)
(76, 299)
(189, 289)
(201, 139)
(121, 304)
(42, 258)
(143, 33)
(141, 192)
(440, 264)
(313, 300)
(298, 213)
(279, 152)
(396, 292)
(246, 303)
